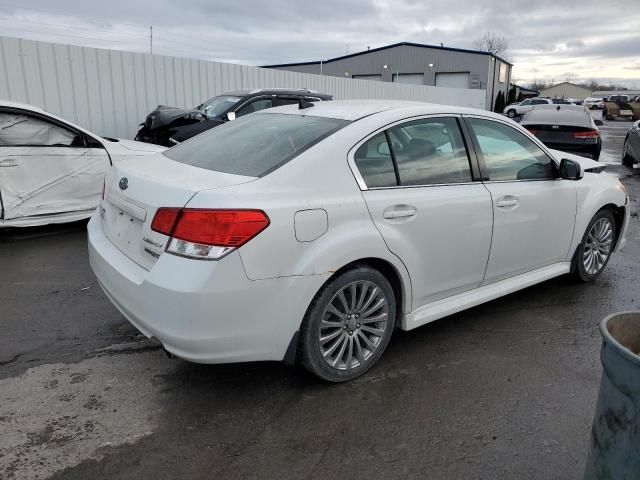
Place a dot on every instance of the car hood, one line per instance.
(163, 115)
(586, 163)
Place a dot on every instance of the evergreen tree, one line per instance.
(499, 105)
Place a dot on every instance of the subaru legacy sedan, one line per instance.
(311, 234)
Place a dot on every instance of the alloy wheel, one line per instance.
(597, 246)
(353, 325)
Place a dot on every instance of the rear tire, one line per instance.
(348, 325)
(594, 252)
(511, 113)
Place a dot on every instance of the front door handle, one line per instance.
(8, 162)
(507, 201)
(399, 211)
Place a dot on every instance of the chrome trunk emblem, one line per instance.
(124, 183)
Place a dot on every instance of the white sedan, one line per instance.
(517, 109)
(310, 234)
(593, 103)
(52, 171)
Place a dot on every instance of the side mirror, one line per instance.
(598, 123)
(570, 170)
(231, 116)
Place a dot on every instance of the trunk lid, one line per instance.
(135, 189)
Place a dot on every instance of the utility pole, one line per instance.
(151, 39)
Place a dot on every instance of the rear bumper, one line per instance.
(203, 311)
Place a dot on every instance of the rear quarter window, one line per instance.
(254, 145)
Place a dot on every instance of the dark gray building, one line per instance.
(418, 64)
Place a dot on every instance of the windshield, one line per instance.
(256, 144)
(216, 106)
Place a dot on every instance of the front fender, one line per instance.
(595, 191)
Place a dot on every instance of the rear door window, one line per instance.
(430, 152)
(255, 106)
(286, 100)
(256, 144)
(375, 164)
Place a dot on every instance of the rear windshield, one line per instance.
(256, 144)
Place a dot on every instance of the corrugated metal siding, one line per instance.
(410, 59)
(110, 92)
(406, 59)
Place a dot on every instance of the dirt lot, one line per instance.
(505, 390)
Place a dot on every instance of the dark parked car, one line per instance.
(631, 151)
(170, 125)
(569, 128)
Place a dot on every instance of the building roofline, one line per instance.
(400, 44)
(525, 89)
(566, 83)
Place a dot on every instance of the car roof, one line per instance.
(356, 109)
(558, 115)
(22, 106)
(275, 91)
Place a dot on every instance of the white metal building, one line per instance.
(566, 90)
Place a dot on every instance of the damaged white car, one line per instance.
(52, 171)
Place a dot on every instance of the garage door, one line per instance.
(377, 78)
(409, 78)
(453, 80)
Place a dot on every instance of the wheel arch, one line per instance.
(401, 285)
(618, 213)
(390, 272)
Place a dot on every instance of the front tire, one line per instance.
(348, 325)
(596, 247)
(627, 160)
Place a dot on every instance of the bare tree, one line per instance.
(493, 43)
(539, 84)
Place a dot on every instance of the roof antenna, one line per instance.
(304, 103)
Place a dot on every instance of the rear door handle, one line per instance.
(8, 162)
(399, 211)
(508, 201)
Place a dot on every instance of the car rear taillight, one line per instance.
(588, 134)
(208, 234)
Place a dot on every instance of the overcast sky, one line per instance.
(548, 39)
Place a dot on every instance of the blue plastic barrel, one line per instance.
(614, 452)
